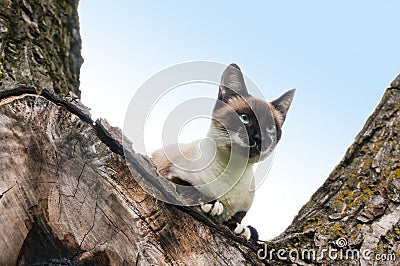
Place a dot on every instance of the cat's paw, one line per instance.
(248, 232)
(213, 208)
(243, 231)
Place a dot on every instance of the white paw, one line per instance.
(260, 242)
(243, 231)
(213, 209)
(206, 207)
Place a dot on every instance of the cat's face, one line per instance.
(243, 124)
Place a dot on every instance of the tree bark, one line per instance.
(40, 45)
(67, 195)
(360, 200)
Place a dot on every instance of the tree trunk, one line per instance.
(40, 45)
(67, 195)
(358, 206)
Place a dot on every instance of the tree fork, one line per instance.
(67, 195)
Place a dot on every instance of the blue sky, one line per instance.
(340, 56)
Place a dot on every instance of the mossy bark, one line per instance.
(40, 45)
(360, 200)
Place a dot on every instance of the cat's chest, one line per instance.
(228, 180)
(234, 188)
(238, 198)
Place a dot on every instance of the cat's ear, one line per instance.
(232, 84)
(283, 103)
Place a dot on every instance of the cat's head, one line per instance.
(243, 124)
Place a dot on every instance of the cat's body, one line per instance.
(243, 131)
(239, 197)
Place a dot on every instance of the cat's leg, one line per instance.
(212, 208)
(234, 223)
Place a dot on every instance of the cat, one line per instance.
(244, 130)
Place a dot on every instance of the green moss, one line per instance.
(385, 171)
(312, 222)
(350, 196)
(352, 181)
(364, 148)
(339, 199)
(65, 6)
(379, 247)
(367, 164)
(346, 196)
(334, 231)
(395, 174)
(381, 185)
(368, 192)
(354, 203)
(377, 148)
(338, 228)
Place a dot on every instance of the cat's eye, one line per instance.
(244, 118)
(271, 129)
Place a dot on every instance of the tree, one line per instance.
(68, 197)
(357, 208)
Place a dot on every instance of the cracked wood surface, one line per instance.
(65, 194)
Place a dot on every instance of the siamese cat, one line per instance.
(244, 130)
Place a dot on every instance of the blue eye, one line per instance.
(244, 118)
(271, 129)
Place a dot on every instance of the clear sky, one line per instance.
(339, 55)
